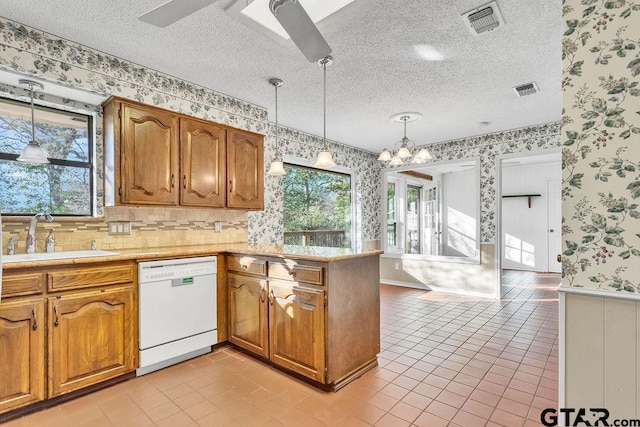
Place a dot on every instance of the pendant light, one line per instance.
(405, 147)
(33, 152)
(277, 167)
(324, 159)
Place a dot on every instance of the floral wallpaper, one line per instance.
(487, 147)
(601, 144)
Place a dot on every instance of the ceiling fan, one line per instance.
(289, 13)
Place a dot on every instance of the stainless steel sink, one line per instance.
(54, 255)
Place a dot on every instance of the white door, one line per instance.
(554, 224)
(431, 219)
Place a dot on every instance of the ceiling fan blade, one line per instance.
(304, 33)
(172, 11)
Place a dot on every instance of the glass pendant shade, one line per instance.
(396, 161)
(404, 153)
(424, 154)
(324, 160)
(385, 156)
(276, 168)
(33, 153)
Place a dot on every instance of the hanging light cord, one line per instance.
(324, 131)
(277, 152)
(33, 120)
(405, 128)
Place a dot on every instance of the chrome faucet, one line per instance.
(11, 245)
(31, 235)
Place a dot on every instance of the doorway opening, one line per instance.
(529, 235)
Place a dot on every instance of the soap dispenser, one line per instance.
(50, 243)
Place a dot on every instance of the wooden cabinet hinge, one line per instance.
(119, 191)
(119, 113)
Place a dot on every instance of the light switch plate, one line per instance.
(119, 228)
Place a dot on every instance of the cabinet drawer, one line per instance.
(90, 276)
(297, 272)
(22, 284)
(247, 264)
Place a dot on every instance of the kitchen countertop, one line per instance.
(314, 253)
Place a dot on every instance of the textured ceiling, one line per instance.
(376, 71)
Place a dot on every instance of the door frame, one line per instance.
(499, 251)
(549, 255)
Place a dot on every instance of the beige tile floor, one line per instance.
(445, 360)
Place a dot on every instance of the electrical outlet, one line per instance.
(119, 228)
(217, 226)
(397, 266)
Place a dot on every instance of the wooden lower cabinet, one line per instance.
(297, 329)
(248, 326)
(321, 320)
(91, 338)
(22, 335)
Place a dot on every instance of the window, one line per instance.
(392, 220)
(317, 207)
(432, 211)
(63, 187)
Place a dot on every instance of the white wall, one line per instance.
(524, 229)
(459, 214)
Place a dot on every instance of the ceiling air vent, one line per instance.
(526, 89)
(484, 18)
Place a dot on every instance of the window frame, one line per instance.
(90, 164)
(295, 161)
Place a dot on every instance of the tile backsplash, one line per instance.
(150, 227)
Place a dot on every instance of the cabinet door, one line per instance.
(91, 338)
(245, 170)
(149, 156)
(296, 328)
(21, 353)
(202, 164)
(248, 313)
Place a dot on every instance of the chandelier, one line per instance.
(405, 149)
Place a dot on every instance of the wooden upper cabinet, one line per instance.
(245, 170)
(91, 338)
(202, 163)
(22, 335)
(157, 157)
(149, 160)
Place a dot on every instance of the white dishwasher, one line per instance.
(177, 315)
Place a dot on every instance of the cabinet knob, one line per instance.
(272, 297)
(173, 181)
(292, 274)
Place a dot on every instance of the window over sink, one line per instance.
(65, 186)
(317, 207)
